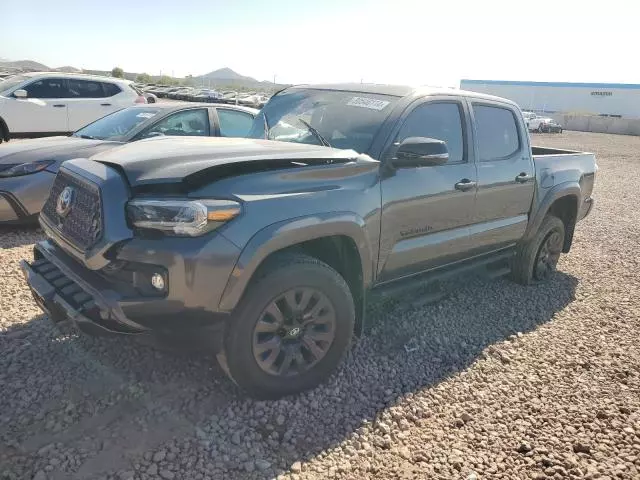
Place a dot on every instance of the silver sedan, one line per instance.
(27, 168)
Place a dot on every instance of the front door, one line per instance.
(44, 109)
(505, 176)
(426, 211)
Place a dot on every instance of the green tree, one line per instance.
(166, 80)
(142, 78)
(117, 72)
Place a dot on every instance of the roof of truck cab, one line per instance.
(400, 90)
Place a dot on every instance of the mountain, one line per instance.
(228, 74)
(25, 64)
(68, 69)
(228, 78)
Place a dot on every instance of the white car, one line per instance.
(42, 104)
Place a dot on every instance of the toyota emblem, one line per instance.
(65, 201)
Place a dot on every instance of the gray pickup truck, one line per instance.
(267, 246)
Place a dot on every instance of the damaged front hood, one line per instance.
(176, 159)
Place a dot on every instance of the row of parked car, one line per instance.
(207, 95)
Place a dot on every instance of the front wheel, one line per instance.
(540, 129)
(291, 330)
(536, 259)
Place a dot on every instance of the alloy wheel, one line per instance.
(548, 256)
(294, 332)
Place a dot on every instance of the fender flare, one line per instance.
(281, 235)
(565, 189)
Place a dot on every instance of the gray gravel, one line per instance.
(494, 380)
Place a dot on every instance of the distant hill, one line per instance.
(221, 78)
(227, 77)
(25, 64)
(68, 69)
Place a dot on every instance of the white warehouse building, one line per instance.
(607, 99)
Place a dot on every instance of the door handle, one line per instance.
(105, 104)
(523, 178)
(465, 184)
(58, 105)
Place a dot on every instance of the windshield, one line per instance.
(348, 120)
(117, 124)
(11, 82)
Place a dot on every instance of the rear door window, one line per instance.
(110, 89)
(234, 123)
(497, 132)
(85, 89)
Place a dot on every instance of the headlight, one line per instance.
(26, 168)
(181, 217)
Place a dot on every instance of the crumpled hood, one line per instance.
(51, 148)
(171, 159)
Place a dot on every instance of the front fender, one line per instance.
(542, 206)
(281, 235)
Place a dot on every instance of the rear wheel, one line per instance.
(291, 329)
(540, 129)
(535, 260)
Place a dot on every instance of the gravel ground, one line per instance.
(494, 380)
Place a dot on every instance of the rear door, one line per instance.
(505, 175)
(87, 102)
(425, 211)
(44, 109)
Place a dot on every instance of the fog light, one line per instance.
(157, 280)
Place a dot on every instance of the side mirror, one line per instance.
(20, 93)
(421, 152)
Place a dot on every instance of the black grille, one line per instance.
(83, 224)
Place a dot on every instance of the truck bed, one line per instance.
(538, 151)
(555, 166)
(563, 165)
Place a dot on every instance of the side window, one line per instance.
(85, 89)
(185, 123)
(234, 123)
(47, 88)
(110, 89)
(442, 121)
(497, 132)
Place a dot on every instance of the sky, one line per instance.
(380, 41)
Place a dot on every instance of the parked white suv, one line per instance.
(40, 104)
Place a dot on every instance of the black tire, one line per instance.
(540, 129)
(529, 260)
(282, 274)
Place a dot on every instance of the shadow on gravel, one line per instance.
(63, 387)
(18, 236)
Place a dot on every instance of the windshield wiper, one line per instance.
(315, 132)
(88, 137)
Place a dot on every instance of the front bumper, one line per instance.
(22, 198)
(103, 306)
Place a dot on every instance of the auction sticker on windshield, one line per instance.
(145, 115)
(364, 102)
